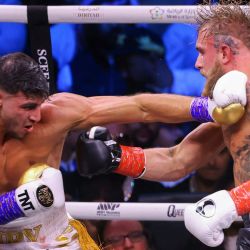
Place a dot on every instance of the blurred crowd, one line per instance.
(122, 59)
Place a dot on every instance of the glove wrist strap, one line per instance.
(199, 109)
(132, 162)
(241, 198)
(9, 209)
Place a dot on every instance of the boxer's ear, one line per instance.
(226, 54)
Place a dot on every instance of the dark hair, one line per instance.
(20, 73)
(149, 237)
(224, 19)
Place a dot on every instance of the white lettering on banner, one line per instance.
(43, 62)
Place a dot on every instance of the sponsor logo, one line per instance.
(173, 212)
(43, 62)
(89, 13)
(172, 13)
(25, 201)
(44, 196)
(180, 14)
(156, 13)
(206, 208)
(108, 209)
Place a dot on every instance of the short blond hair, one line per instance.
(225, 18)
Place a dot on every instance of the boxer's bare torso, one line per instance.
(18, 156)
(237, 139)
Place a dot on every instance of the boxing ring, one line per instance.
(128, 211)
(104, 14)
(114, 14)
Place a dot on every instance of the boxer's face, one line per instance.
(207, 61)
(215, 73)
(18, 113)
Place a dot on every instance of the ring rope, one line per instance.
(127, 211)
(106, 14)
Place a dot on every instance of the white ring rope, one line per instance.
(106, 14)
(127, 211)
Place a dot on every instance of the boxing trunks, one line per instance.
(53, 229)
(243, 240)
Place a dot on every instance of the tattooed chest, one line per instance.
(241, 156)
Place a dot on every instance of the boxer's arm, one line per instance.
(192, 153)
(155, 164)
(85, 112)
(226, 108)
(166, 108)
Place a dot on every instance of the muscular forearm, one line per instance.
(166, 164)
(152, 164)
(162, 165)
(141, 108)
(165, 107)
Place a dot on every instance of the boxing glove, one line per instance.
(227, 105)
(97, 153)
(43, 193)
(207, 218)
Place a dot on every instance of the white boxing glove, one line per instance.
(230, 88)
(42, 190)
(229, 96)
(207, 218)
(227, 105)
(41, 194)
